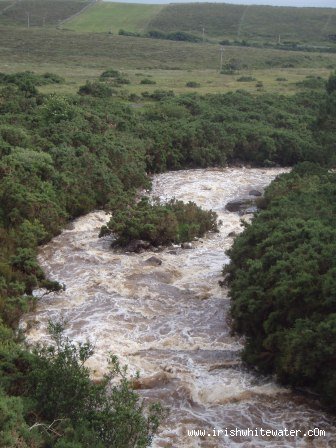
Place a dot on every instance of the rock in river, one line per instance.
(239, 205)
(255, 193)
(153, 261)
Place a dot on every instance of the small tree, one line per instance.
(105, 414)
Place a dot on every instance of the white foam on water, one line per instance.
(170, 322)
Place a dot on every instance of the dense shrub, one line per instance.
(147, 81)
(115, 77)
(282, 280)
(193, 84)
(172, 222)
(331, 83)
(312, 83)
(176, 35)
(97, 89)
(68, 407)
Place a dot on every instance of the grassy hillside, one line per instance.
(41, 12)
(219, 20)
(105, 17)
(41, 45)
(170, 65)
(252, 22)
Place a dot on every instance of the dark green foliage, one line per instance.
(282, 279)
(14, 431)
(110, 73)
(315, 82)
(193, 84)
(331, 83)
(159, 224)
(147, 81)
(97, 89)
(176, 35)
(267, 130)
(114, 77)
(159, 95)
(65, 407)
(128, 33)
(233, 65)
(155, 34)
(246, 79)
(183, 36)
(23, 78)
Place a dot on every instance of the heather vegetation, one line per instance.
(64, 155)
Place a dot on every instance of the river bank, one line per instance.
(170, 321)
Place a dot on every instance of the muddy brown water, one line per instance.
(170, 322)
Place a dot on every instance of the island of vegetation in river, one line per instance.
(64, 155)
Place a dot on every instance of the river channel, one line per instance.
(170, 322)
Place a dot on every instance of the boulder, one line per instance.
(153, 261)
(150, 382)
(232, 234)
(187, 246)
(238, 205)
(255, 193)
(137, 246)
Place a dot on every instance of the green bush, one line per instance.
(110, 73)
(192, 84)
(96, 89)
(172, 222)
(147, 81)
(69, 409)
(331, 83)
(282, 282)
(312, 83)
(246, 79)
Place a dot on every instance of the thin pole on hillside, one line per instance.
(203, 31)
(28, 19)
(221, 58)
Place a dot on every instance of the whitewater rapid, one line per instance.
(170, 322)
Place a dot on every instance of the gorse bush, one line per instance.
(246, 79)
(171, 222)
(147, 81)
(114, 77)
(58, 387)
(193, 84)
(282, 282)
(97, 89)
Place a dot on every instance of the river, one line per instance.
(171, 322)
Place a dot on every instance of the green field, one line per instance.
(248, 22)
(41, 12)
(111, 17)
(254, 23)
(81, 56)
